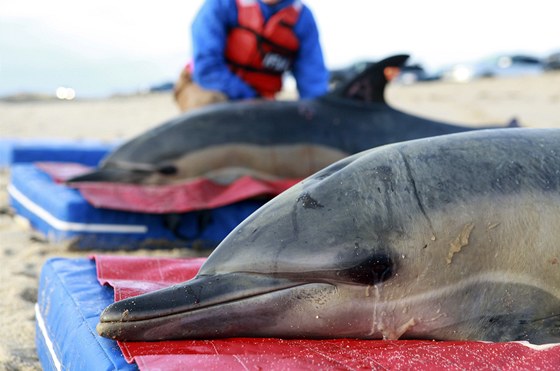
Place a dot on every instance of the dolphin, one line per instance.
(453, 237)
(269, 139)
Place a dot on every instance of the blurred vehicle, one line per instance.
(163, 87)
(552, 62)
(499, 66)
(411, 74)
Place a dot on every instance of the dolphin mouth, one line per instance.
(114, 175)
(204, 307)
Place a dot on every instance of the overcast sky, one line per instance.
(101, 47)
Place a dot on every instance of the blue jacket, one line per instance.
(209, 33)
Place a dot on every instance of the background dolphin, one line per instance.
(454, 237)
(290, 139)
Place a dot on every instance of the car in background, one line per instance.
(552, 62)
(412, 73)
(498, 66)
(163, 87)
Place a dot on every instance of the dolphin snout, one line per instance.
(146, 317)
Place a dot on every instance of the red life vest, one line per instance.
(260, 52)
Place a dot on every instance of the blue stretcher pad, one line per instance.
(61, 213)
(70, 300)
(18, 151)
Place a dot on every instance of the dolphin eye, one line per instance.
(167, 170)
(373, 270)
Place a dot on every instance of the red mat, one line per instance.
(195, 194)
(133, 275)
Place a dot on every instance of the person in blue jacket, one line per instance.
(242, 48)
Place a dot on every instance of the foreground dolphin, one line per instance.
(454, 237)
(289, 139)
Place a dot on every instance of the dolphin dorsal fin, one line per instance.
(369, 85)
(513, 123)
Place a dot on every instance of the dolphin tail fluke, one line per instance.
(369, 85)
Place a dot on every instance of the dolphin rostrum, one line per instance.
(454, 238)
(289, 139)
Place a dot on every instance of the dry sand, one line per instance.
(534, 101)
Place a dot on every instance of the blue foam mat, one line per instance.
(69, 303)
(62, 214)
(18, 151)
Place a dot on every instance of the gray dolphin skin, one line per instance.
(290, 139)
(454, 237)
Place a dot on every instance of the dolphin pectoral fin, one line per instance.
(520, 327)
(544, 330)
(505, 327)
(157, 315)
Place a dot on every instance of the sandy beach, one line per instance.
(533, 101)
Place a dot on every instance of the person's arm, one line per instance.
(209, 35)
(309, 68)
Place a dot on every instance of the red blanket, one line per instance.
(134, 275)
(196, 194)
